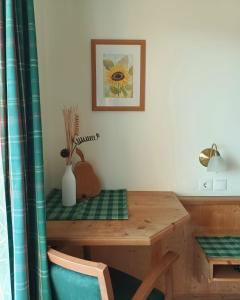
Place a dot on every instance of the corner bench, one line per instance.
(218, 258)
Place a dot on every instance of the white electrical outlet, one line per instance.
(205, 184)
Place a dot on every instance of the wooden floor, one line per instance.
(208, 297)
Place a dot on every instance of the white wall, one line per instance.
(192, 89)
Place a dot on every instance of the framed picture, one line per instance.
(118, 75)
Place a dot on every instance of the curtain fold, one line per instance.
(23, 261)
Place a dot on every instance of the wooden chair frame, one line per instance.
(100, 271)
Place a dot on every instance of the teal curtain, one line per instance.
(23, 260)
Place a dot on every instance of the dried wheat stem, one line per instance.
(71, 122)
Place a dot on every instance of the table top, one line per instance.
(152, 215)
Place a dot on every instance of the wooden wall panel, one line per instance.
(216, 216)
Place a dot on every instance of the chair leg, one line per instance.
(169, 285)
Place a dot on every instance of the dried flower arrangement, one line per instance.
(71, 122)
(72, 129)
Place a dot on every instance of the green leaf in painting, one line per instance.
(131, 70)
(128, 87)
(123, 61)
(124, 92)
(115, 90)
(108, 64)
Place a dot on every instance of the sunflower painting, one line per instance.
(118, 76)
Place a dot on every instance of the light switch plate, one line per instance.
(220, 184)
(205, 184)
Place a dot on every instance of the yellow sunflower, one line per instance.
(117, 76)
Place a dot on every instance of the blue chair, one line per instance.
(77, 279)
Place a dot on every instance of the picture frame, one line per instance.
(118, 75)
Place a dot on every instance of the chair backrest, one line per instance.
(77, 279)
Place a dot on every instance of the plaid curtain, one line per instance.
(23, 261)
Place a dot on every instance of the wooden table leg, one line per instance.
(169, 284)
(156, 254)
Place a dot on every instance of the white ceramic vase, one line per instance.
(68, 187)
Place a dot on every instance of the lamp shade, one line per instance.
(216, 164)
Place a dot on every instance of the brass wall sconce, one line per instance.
(211, 158)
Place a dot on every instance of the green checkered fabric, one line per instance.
(23, 255)
(225, 247)
(108, 205)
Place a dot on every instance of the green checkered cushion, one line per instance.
(225, 247)
(108, 205)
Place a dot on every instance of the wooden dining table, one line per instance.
(153, 215)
